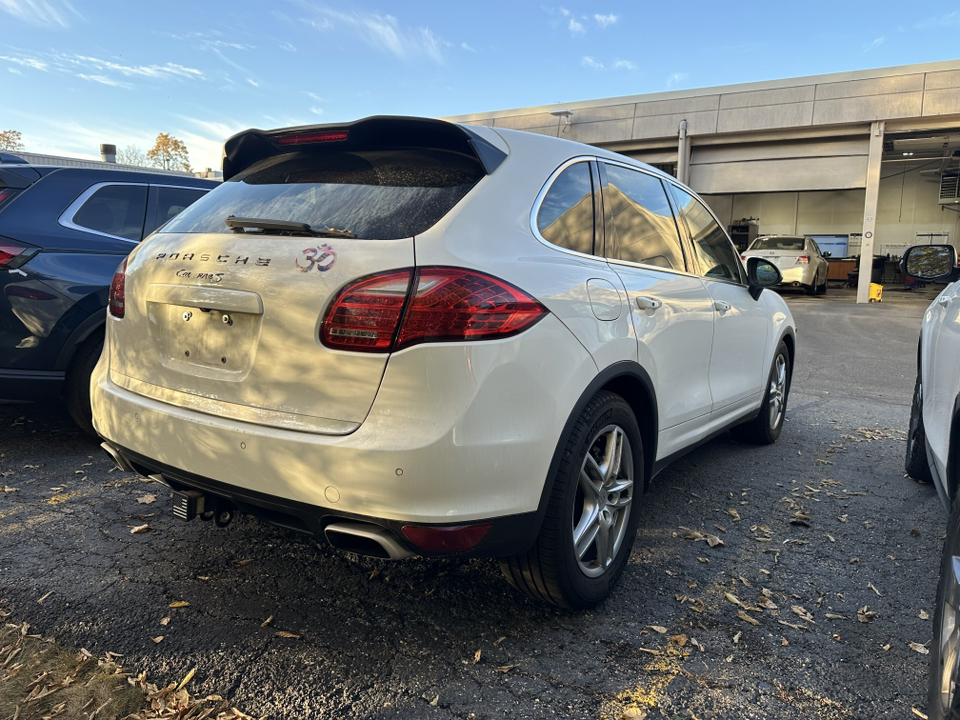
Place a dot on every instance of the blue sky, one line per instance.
(76, 73)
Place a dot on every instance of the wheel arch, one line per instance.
(953, 454)
(631, 382)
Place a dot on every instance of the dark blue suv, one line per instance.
(63, 232)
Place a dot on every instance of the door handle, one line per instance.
(648, 303)
(721, 306)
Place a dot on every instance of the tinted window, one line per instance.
(566, 215)
(713, 249)
(644, 230)
(115, 209)
(778, 243)
(171, 202)
(378, 195)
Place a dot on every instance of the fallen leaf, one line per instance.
(40, 601)
(678, 640)
(165, 621)
(746, 618)
(267, 621)
(146, 499)
(784, 642)
(140, 529)
(505, 668)
(830, 537)
(874, 588)
(634, 713)
(919, 714)
(917, 647)
(157, 639)
(203, 577)
(834, 616)
(179, 604)
(800, 612)
(476, 656)
(697, 645)
(732, 512)
(285, 634)
(736, 638)
(496, 643)
(658, 629)
(187, 678)
(733, 598)
(924, 615)
(865, 614)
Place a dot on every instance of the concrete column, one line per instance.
(870, 211)
(683, 154)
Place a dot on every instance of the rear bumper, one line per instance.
(802, 274)
(507, 535)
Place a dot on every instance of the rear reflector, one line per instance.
(116, 302)
(446, 539)
(310, 137)
(397, 309)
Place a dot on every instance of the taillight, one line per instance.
(117, 286)
(7, 194)
(397, 309)
(803, 260)
(13, 254)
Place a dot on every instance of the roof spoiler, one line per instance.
(381, 131)
(9, 158)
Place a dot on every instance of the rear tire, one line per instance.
(592, 513)
(915, 463)
(765, 428)
(942, 697)
(77, 389)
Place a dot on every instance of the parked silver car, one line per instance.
(800, 260)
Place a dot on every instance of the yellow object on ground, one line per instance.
(876, 292)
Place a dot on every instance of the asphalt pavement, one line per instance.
(790, 581)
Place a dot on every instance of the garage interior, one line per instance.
(866, 162)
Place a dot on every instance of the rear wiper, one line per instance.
(283, 227)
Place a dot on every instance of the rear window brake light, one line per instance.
(311, 137)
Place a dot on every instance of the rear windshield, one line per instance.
(381, 195)
(778, 243)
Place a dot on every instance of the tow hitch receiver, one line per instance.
(187, 504)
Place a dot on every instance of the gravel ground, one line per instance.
(823, 576)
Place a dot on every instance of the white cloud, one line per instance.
(576, 28)
(676, 79)
(14, 71)
(875, 44)
(253, 82)
(590, 62)
(467, 47)
(288, 47)
(947, 20)
(624, 65)
(316, 97)
(382, 32)
(316, 110)
(26, 62)
(605, 20)
(564, 12)
(41, 12)
(104, 80)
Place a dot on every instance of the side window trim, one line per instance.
(66, 217)
(686, 253)
(535, 211)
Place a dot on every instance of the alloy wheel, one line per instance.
(603, 502)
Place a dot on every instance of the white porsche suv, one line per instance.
(407, 336)
(933, 454)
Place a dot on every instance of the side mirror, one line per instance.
(761, 274)
(828, 254)
(930, 262)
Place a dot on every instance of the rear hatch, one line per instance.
(222, 308)
(781, 251)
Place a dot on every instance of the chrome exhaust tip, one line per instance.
(364, 539)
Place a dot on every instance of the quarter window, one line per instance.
(171, 201)
(643, 226)
(712, 247)
(566, 215)
(115, 210)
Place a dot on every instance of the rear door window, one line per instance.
(643, 227)
(168, 202)
(379, 195)
(566, 215)
(115, 210)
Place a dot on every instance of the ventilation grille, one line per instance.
(949, 189)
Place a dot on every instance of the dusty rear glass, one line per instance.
(381, 195)
(778, 243)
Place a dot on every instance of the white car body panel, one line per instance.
(940, 376)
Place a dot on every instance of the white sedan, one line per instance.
(406, 336)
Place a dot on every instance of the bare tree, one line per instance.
(11, 140)
(132, 155)
(169, 153)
